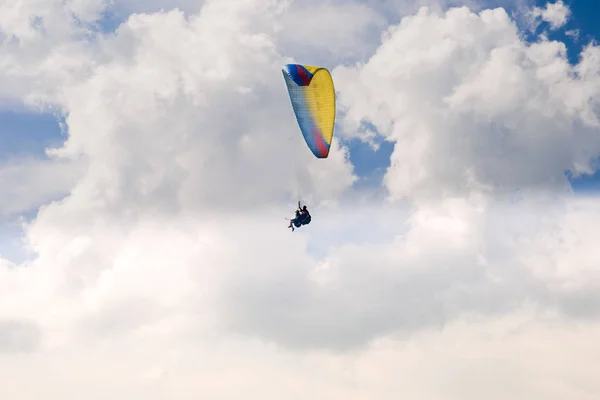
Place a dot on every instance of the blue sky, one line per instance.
(28, 134)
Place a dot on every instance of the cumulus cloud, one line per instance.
(322, 31)
(45, 46)
(470, 105)
(167, 271)
(556, 14)
(203, 124)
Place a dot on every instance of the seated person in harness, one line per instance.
(302, 217)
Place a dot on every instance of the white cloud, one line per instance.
(45, 47)
(176, 98)
(28, 184)
(168, 271)
(174, 303)
(469, 104)
(556, 14)
(574, 34)
(328, 31)
(318, 31)
(125, 8)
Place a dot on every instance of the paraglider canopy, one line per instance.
(313, 99)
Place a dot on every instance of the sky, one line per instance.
(149, 155)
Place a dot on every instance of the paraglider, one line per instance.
(313, 99)
(312, 95)
(302, 217)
